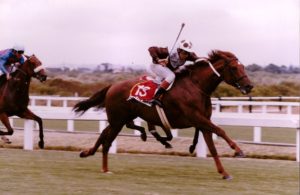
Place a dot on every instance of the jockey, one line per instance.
(10, 56)
(165, 63)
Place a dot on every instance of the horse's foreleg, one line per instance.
(168, 133)
(155, 134)
(221, 133)
(211, 146)
(4, 119)
(30, 115)
(100, 141)
(131, 125)
(195, 141)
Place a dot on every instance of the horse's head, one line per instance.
(233, 72)
(33, 68)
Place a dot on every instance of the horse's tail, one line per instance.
(95, 100)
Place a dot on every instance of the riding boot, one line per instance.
(156, 98)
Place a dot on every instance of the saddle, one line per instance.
(144, 90)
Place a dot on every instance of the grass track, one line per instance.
(58, 172)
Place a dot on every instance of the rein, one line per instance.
(210, 65)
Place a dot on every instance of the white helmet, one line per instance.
(186, 46)
(19, 48)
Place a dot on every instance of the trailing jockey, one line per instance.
(9, 57)
(165, 63)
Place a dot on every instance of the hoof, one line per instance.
(192, 149)
(5, 140)
(144, 137)
(41, 144)
(167, 145)
(84, 154)
(227, 177)
(107, 172)
(239, 154)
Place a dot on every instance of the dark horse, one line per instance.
(186, 105)
(14, 96)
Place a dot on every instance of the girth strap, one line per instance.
(163, 117)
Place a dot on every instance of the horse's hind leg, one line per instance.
(109, 138)
(27, 114)
(195, 141)
(4, 119)
(98, 143)
(211, 146)
(155, 134)
(131, 125)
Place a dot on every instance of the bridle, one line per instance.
(226, 64)
(35, 70)
(232, 75)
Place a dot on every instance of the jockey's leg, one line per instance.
(168, 76)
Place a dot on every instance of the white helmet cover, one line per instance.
(186, 46)
(19, 48)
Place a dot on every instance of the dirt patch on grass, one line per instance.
(126, 144)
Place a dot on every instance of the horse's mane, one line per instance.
(213, 56)
(216, 55)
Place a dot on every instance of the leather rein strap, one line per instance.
(163, 117)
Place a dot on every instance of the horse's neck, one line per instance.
(209, 81)
(21, 82)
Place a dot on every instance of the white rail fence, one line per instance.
(235, 116)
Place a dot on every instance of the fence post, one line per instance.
(32, 102)
(289, 110)
(250, 106)
(102, 126)
(201, 146)
(214, 136)
(257, 134)
(113, 147)
(11, 121)
(240, 108)
(280, 107)
(174, 132)
(65, 103)
(220, 106)
(28, 135)
(298, 145)
(138, 123)
(70, 125)
(49, 102)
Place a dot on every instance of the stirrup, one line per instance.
(156, 102)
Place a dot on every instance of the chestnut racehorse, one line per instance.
(14, 94)
(186, 105)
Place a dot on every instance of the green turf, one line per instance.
(58, 172)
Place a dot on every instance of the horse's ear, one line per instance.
(27, 57)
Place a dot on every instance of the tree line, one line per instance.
(273, 68)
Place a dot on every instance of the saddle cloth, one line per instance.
(144, 90)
